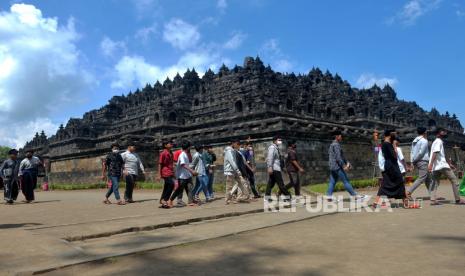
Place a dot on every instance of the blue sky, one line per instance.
(59, 59)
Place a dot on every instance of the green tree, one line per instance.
(4, 152)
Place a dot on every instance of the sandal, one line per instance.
(106, 201)
(459, 202)
(121, 203)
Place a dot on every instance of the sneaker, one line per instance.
(181, 203)
(361, 197)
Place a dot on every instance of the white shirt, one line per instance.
(27, 164)
(400, 157)
(181, 172)
(132, 163)
(440, 162)
(381, 160)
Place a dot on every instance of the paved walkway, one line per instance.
(66, 228)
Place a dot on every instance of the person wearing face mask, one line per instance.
(393, 182)
(293, 167)
(112, 168)
(132, 164)
(233, 174)
(274, 163)
(438, 166)
(28, 170)
(338, 166)
(249, 156)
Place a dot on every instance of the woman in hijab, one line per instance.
(393, 181)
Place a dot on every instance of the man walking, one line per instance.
(274, 165)
(184, 175)
(28, 171)
(166, 171)
(233, 174)
(293, 167)
(132, 164)
(210, 158)
(438, 166)
(112, 168)
(9, 173)
(419, 157)
(249, 156)
(201, 180)
(338, 167)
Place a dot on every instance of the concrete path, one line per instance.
(67, 228)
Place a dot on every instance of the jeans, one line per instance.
(276, 178)
(130, 182)
(201, 184)
(339, 175)
(114, 187)
(294, 181)
(437, 178)
(423, 176)
(167, 188)
(211, 177)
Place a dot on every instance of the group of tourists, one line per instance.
(193, 174)
(431, 165)
(18, 175)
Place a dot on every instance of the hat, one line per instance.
(12, 151)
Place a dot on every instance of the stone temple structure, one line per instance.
(241, 102)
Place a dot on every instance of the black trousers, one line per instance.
(183, 184)
(130, 183)
(276, 178)
(10, 189)
(167, 188)
(294, 181)
(28, 184)
(253, 187)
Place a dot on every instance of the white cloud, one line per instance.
(181, 34)
(147, 8)
(367, 80)
(460, 13)
(17, 134)
(134, 71)
(145, 33)
(222, 4)
(110, 47)
(41, 70)
(235, 41)
(271, 51)
(413, 10)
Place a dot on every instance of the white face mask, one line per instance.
(115, 151)
(279, 142)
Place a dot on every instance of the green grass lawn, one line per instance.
(357, 184)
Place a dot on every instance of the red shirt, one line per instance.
(178, 152)
(166, 163)
(176, 155)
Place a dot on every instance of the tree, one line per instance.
(4, 152)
